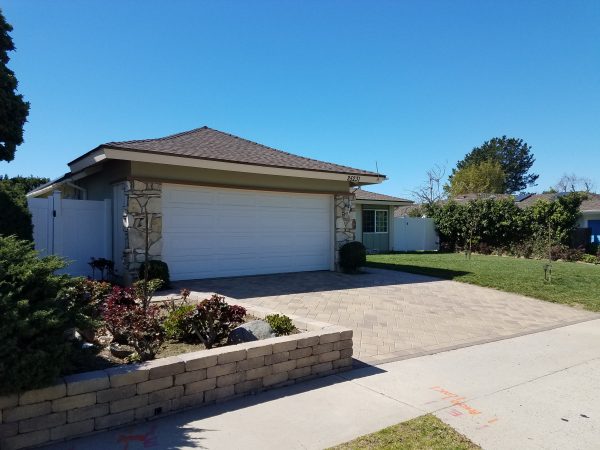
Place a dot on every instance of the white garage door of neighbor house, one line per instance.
(215, 232)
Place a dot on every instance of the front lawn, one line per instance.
(572, 283)
(425, 432)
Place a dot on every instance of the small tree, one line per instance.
(431, 191)
(486, 177)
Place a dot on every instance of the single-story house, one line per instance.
(219, 205)
(375, 219)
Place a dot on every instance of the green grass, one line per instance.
(572, 283)
(425, 432)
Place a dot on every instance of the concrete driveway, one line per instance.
(397, 315)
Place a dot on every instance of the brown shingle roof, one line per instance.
(361, 194)
(592, 203)
(209, 144)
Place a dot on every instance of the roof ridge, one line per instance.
(282, 151)
(164, 138)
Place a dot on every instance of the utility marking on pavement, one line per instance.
(456, 400)
(147, 439)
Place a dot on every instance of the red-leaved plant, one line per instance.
(131, 323)
(213, 319)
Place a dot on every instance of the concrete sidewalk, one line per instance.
(536, 391)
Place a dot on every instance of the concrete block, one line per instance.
(259, 372)
(114, 420)
(127, 374)
(261, 349)
(26, 412)
(219, 393)
(301, 353)
(53, 392)
(270, 380)
(9, 429)
(163, 367)
(74, 401)
(250, 363)
(331, 356)
(231, 354)
(152, 410)
(346, 334)
(109, 395)
(217, 371)
(342, 363)
(308, 341)
(232, 378)
(165, 394)
(329, 336)
(187, 401)
(198, 360)
(42, 422)
(72, 429)
(154, 385)
(277, 358)
(248, 386)
(285, 366)
(346, 353)
(82, 383)
(190, 377)
(118, 406)
(321, 368)
(341, 345)
(286, 344)
(89, 412)
(322, 348)
(308, 361)
(299, 373)
(26, 440)
(200, 386)
(9, 401)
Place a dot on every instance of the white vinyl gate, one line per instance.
(415, 234)
(74, 229)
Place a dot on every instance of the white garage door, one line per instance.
(215, 232)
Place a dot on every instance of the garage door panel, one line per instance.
(212, 232)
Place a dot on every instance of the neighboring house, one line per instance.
(375, 219)
(220, 205)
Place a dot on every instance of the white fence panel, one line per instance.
(415, 234)
(74, 229)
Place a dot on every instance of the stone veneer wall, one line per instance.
(345, 222)
(140, 195)
(96, 401)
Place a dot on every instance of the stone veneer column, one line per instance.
(140, 195)
(345, 222)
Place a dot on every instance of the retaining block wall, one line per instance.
(93, 401)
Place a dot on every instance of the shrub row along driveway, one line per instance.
(396, 315)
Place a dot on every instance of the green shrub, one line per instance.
(178, 323)
(591, 259)
(157, 270)
(33, 317)
(84, 300)
(353, 255)
(16, 218)
(282, 325)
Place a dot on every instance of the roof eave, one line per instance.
(113, 152)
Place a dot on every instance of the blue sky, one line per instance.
(404, 84)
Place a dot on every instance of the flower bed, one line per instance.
(95, 401)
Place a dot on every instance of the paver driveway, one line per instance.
(396, 315)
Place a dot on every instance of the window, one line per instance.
(375, 221)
